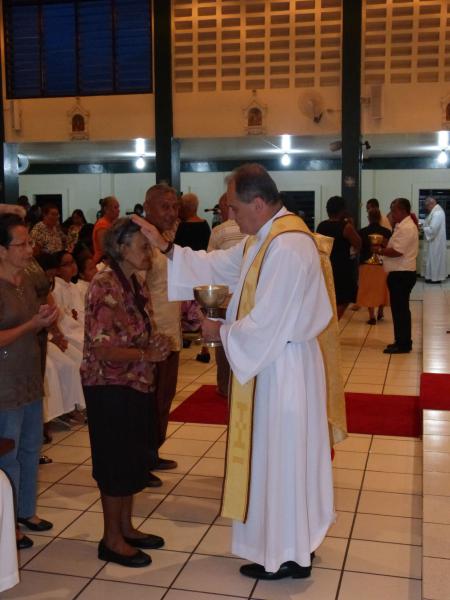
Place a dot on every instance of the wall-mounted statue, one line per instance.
(255, 116)
(78, 122)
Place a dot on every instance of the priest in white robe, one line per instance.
(434, 267)
(290, 502)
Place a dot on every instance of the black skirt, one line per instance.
(119, 430)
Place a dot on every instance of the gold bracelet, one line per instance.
(142, 354)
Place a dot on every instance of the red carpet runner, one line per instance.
(366, 413)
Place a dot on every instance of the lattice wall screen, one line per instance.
(250, 44)
(406, 41)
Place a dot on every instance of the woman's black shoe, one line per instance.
(24, 543)
(43, 525)
(45, 460)
(153, 481)
(372, 322)
(149, 542)
(203, 357)
(140, 559)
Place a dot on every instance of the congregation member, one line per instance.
(118, 379)
(9, 567)
(64, 295)
(278, 480)
(341, 229)
(110, 211)
(21, 390)
(434, 228)
(193, 231)
(399, 261)
(47, 235)
(373, 204)
(225, 235)
(63, 394)
(86, 270)
(13, 209)
(73, 227)
(372, 286)
(161, 210)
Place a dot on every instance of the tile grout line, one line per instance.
(347, 548)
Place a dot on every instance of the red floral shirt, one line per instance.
(113, 319)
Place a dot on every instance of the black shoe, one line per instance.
(149, 542)
(287, 569)
(202, 357)
(154, 481)
(187, 343)
(45, 460)
(43, 525)
(394, 349)
(380, 316)
(165, 464)
(140, 559)
(372, 322)
(24, 543)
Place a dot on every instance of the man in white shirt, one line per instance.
(434, 230)
(399, 260)
(161, 209)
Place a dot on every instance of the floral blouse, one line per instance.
(49, 240)
(113, 319)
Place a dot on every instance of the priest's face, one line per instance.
(244, 213)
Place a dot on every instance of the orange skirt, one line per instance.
(372, 286)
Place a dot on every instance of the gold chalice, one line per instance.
(211, 298)
(376, 239)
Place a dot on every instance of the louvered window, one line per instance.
(77, 47)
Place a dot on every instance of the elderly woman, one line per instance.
(21, 319)
(117, 373)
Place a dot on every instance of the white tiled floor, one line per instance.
(374, 551)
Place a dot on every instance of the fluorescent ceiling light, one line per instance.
(140, 146)
(285, 160)
(286, 142)
(140, 163)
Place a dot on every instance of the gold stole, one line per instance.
(236, 490)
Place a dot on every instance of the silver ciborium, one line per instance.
(376, 239)
(211, 298)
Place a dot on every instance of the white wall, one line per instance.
(84, 191)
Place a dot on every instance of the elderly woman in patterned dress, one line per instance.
(117, 373)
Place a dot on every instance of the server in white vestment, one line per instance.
(290, 492)
(434, 268)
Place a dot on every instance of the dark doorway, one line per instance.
(302, 204)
